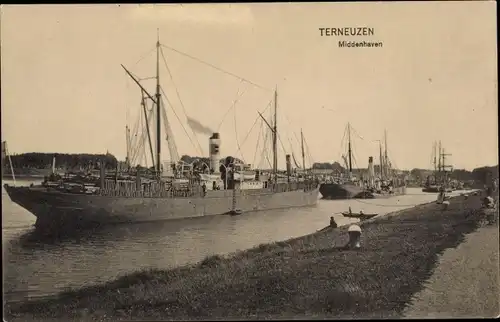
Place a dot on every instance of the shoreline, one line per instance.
(229, 283)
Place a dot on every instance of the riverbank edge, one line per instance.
(70, 303)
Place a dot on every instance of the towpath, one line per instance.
(465, 282)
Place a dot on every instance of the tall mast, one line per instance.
(158, 108)
(127, 142)
(439, 157)
(386, 159)
(444, 166)
(381, 160)
(275, 136)
(435, 155)
(302, 147)
(349, 148)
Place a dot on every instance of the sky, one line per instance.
(434, 78)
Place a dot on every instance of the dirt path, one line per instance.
(465, 283)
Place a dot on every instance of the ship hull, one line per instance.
(430, 189)
(57, 210)
(342, 191)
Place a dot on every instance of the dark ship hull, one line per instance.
(343, 191)
(431, 189)
(56, 210)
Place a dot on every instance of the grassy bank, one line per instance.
(307, 276)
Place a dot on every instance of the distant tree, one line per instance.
(38, 160)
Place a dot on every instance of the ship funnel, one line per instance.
(288, 165)
(214, 146)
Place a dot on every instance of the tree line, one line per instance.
(36, 160)
(481, 174)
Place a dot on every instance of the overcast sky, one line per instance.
(63, 89)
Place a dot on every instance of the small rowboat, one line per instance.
(358, 215)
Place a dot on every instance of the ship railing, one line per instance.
(157, 189)
(152, 189)
(292, 186)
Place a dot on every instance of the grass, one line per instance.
(303, 277)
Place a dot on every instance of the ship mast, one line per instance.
(275, 137)
(349, 149)
(439, 157)
(158, 108)
(381, 160)
(127, 142)
(435, 155)
(302, 148)
(386, 159)
(444, 166)
(143, 104)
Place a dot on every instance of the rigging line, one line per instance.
(236, 131)
(249, 131)
(150, 122)
(309, 159)
(282, 145)
(231, 107)
(144, 56)
(258, 142)
(179, 97)
(137, 137)
(356, 132)
(140, 143)
(265, 154)
(291, 126)
(127, 108)
(182, 125)
(217, 68)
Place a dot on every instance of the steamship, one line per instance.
(383, 186)
(229, 187)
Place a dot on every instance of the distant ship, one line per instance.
(385, 185)
(344, 187)
(439, 180)
(93, 200)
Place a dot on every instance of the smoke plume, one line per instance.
(198, 127)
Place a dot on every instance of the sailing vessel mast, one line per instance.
(158, 108)
(127, 142)
(275, 137)
(444, 166)
(386, 158)
(435, 155)
(381, 160)
(439, 157)
(349, 151)
(302, 148)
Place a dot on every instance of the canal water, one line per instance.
(34, 267)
